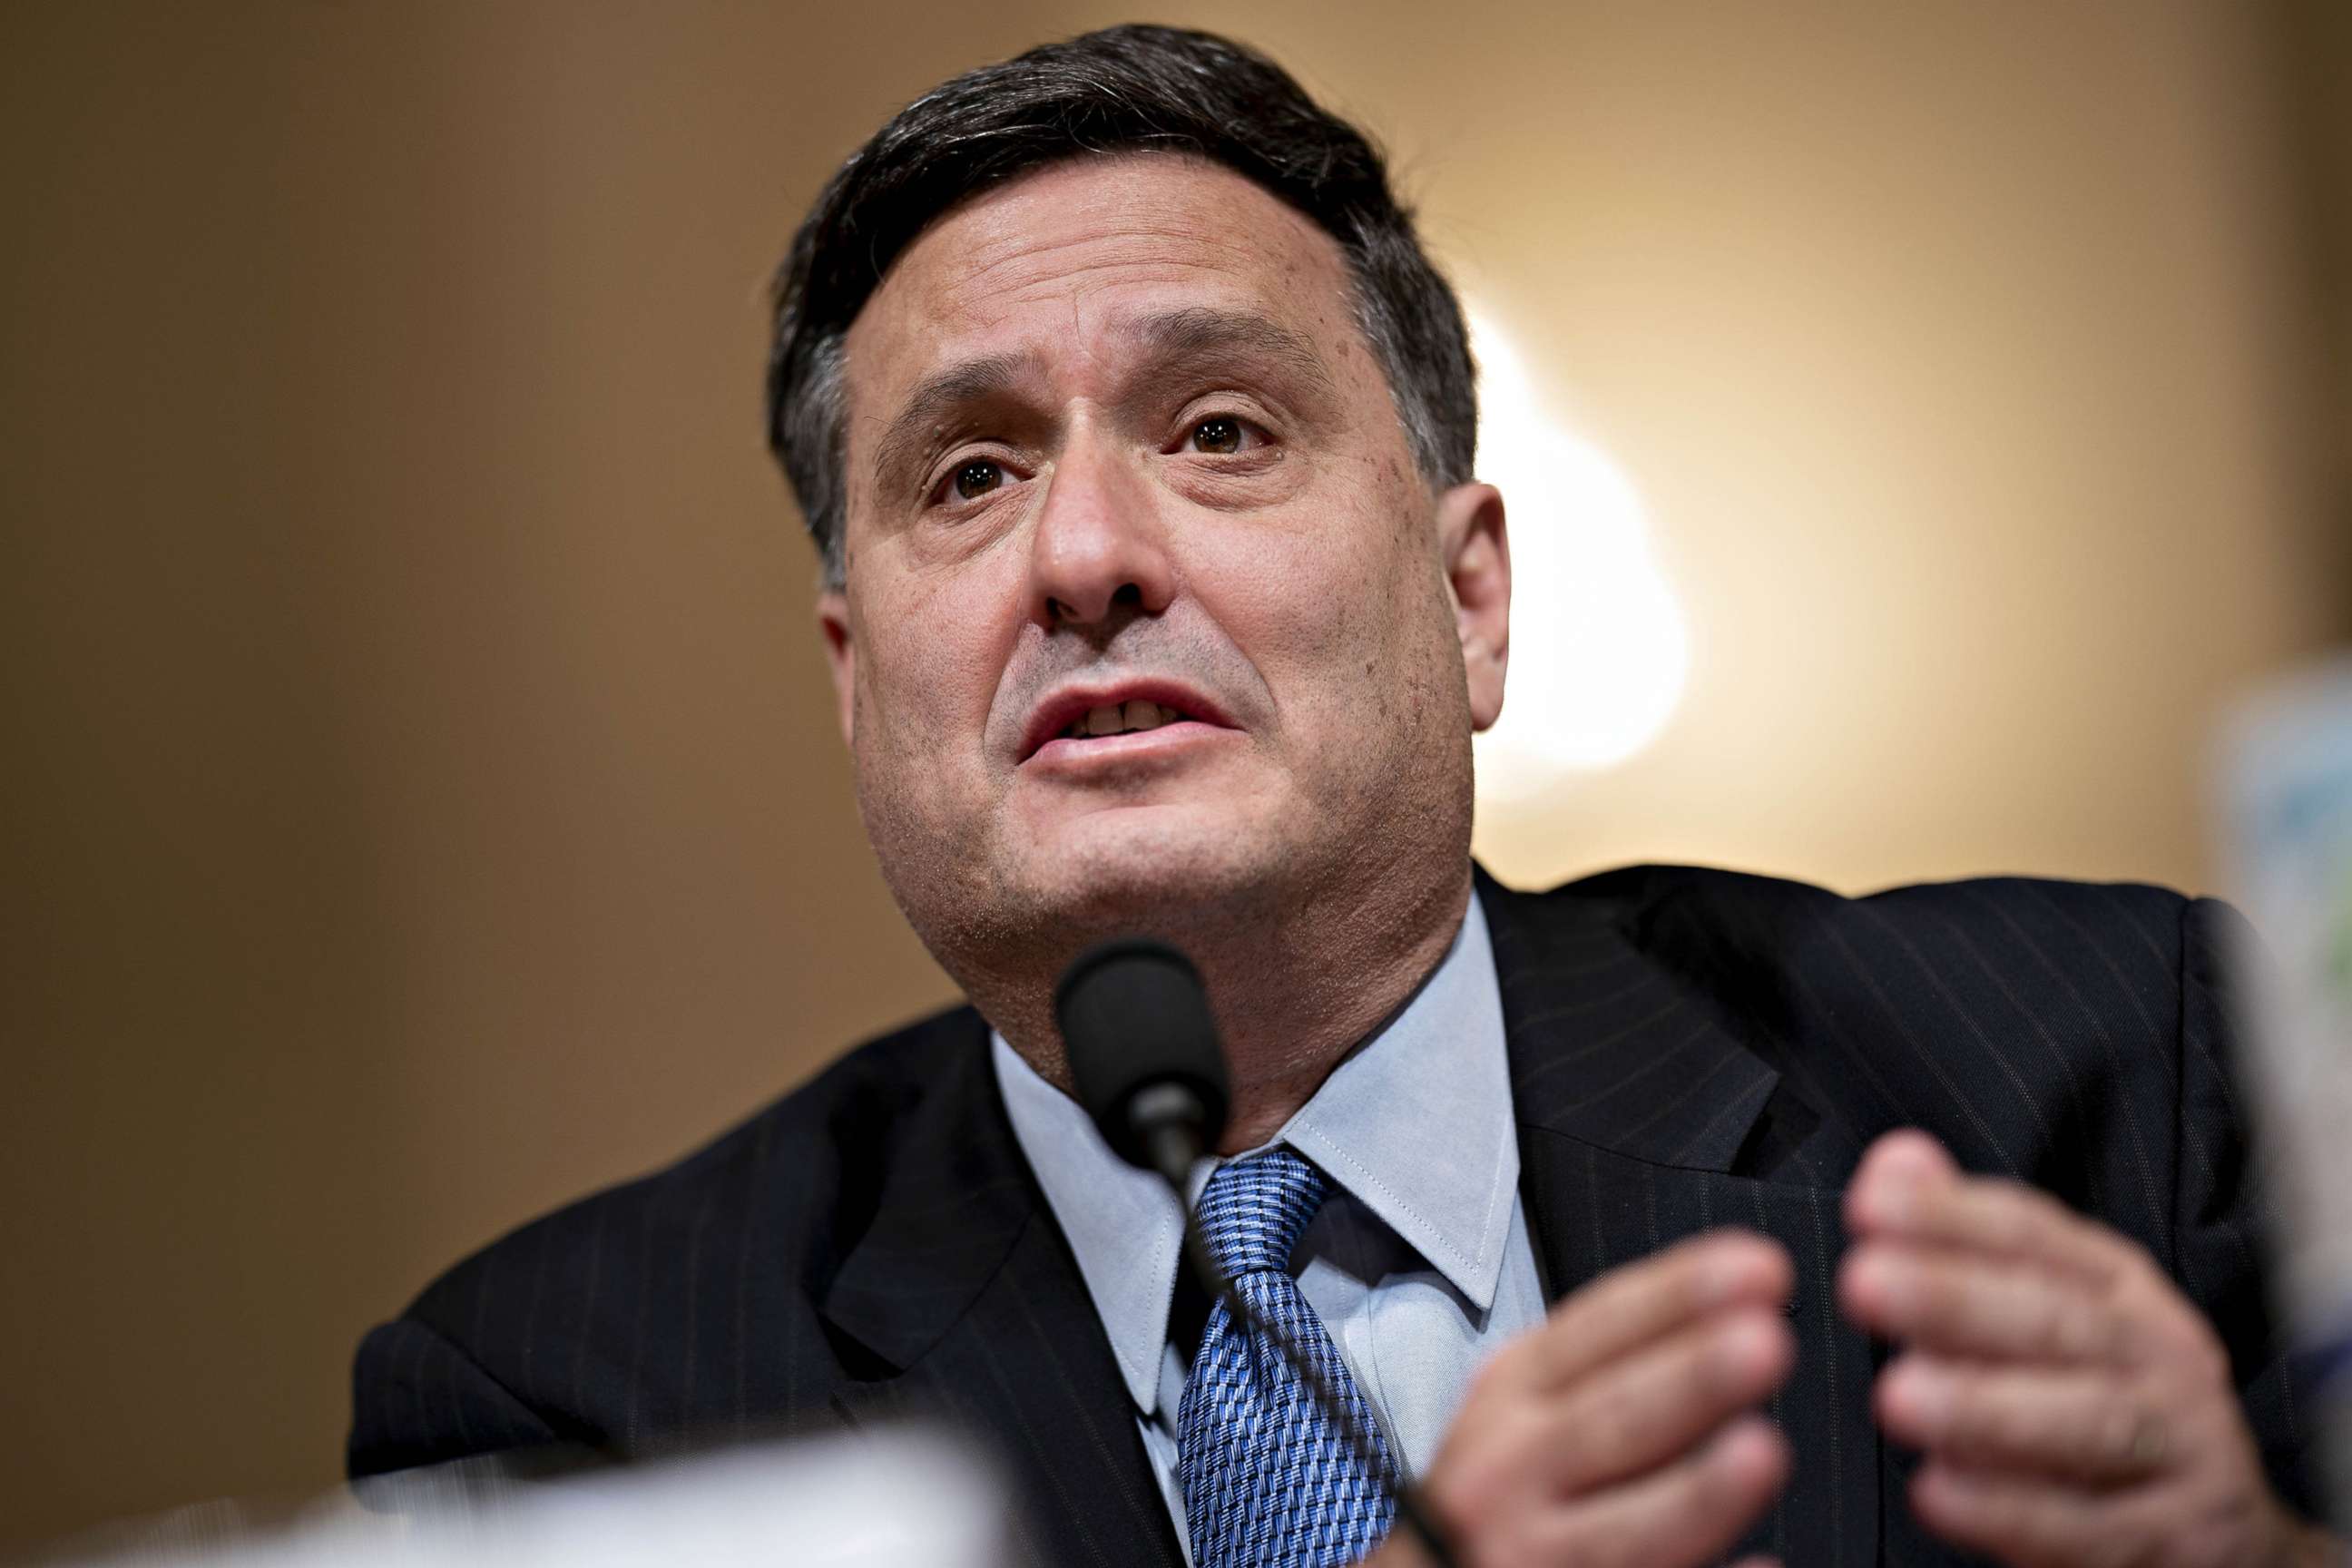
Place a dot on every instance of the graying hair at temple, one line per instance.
(1121, 89)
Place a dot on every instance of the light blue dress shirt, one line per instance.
(1418, 1262)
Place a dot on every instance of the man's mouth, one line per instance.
(1121, 718)
(1079, 721)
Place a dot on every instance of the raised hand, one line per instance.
(1620, 1431)
(2072, 1406)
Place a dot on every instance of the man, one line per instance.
(1136, 432)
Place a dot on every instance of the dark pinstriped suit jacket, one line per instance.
(1688, 1048)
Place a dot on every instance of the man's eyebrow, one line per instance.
(1203, 333)
(971, 381)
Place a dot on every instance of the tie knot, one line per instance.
(1253, 1211)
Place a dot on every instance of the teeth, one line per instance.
(1116, 719)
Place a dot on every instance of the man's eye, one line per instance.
(1220, 433)
(977, 478)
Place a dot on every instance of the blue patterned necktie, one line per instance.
(1268, 1481)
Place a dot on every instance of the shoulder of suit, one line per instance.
(1799, 953)
(816, 1150)
(2022, 1020)
(1676, 906)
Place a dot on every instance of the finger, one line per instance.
(2022, 1519)
(1974, 1308)
(1658, 1401)
(1908, 1155)
(1981, 1215)
(1630, 1306)
(2088, 1426)
(1686, 1513)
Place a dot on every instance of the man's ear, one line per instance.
(840, 655)
(1478, 574)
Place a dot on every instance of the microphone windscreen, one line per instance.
(1134, 1015)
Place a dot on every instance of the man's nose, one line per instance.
(1099, 549)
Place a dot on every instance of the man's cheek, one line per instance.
(908, 683)
(1290, 616)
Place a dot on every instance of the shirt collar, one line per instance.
(1415, 1124)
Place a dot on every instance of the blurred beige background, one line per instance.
(420, 803)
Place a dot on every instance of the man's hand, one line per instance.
(1616, 1433)
(2072, 1407)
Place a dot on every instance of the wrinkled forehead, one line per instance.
(1059, 266)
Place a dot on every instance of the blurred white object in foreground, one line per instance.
(2286, 776)
(891, 1500)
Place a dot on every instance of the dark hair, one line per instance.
(1125, 89)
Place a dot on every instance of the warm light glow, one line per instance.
(1598, 647)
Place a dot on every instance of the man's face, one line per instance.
(1147, 608)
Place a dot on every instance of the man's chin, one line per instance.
(1160, 871)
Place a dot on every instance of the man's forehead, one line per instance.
(1080, 258)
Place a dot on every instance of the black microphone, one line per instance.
(1143, 1054)
(1144, 1058)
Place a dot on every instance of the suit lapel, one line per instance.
(1637, 1091)
(1611, 1046)
(966, 1297)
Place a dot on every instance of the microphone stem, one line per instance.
(1410, 1511)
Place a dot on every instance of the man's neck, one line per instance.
(1292, 995)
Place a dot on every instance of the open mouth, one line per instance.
(1078, 722)
(1121, 718)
